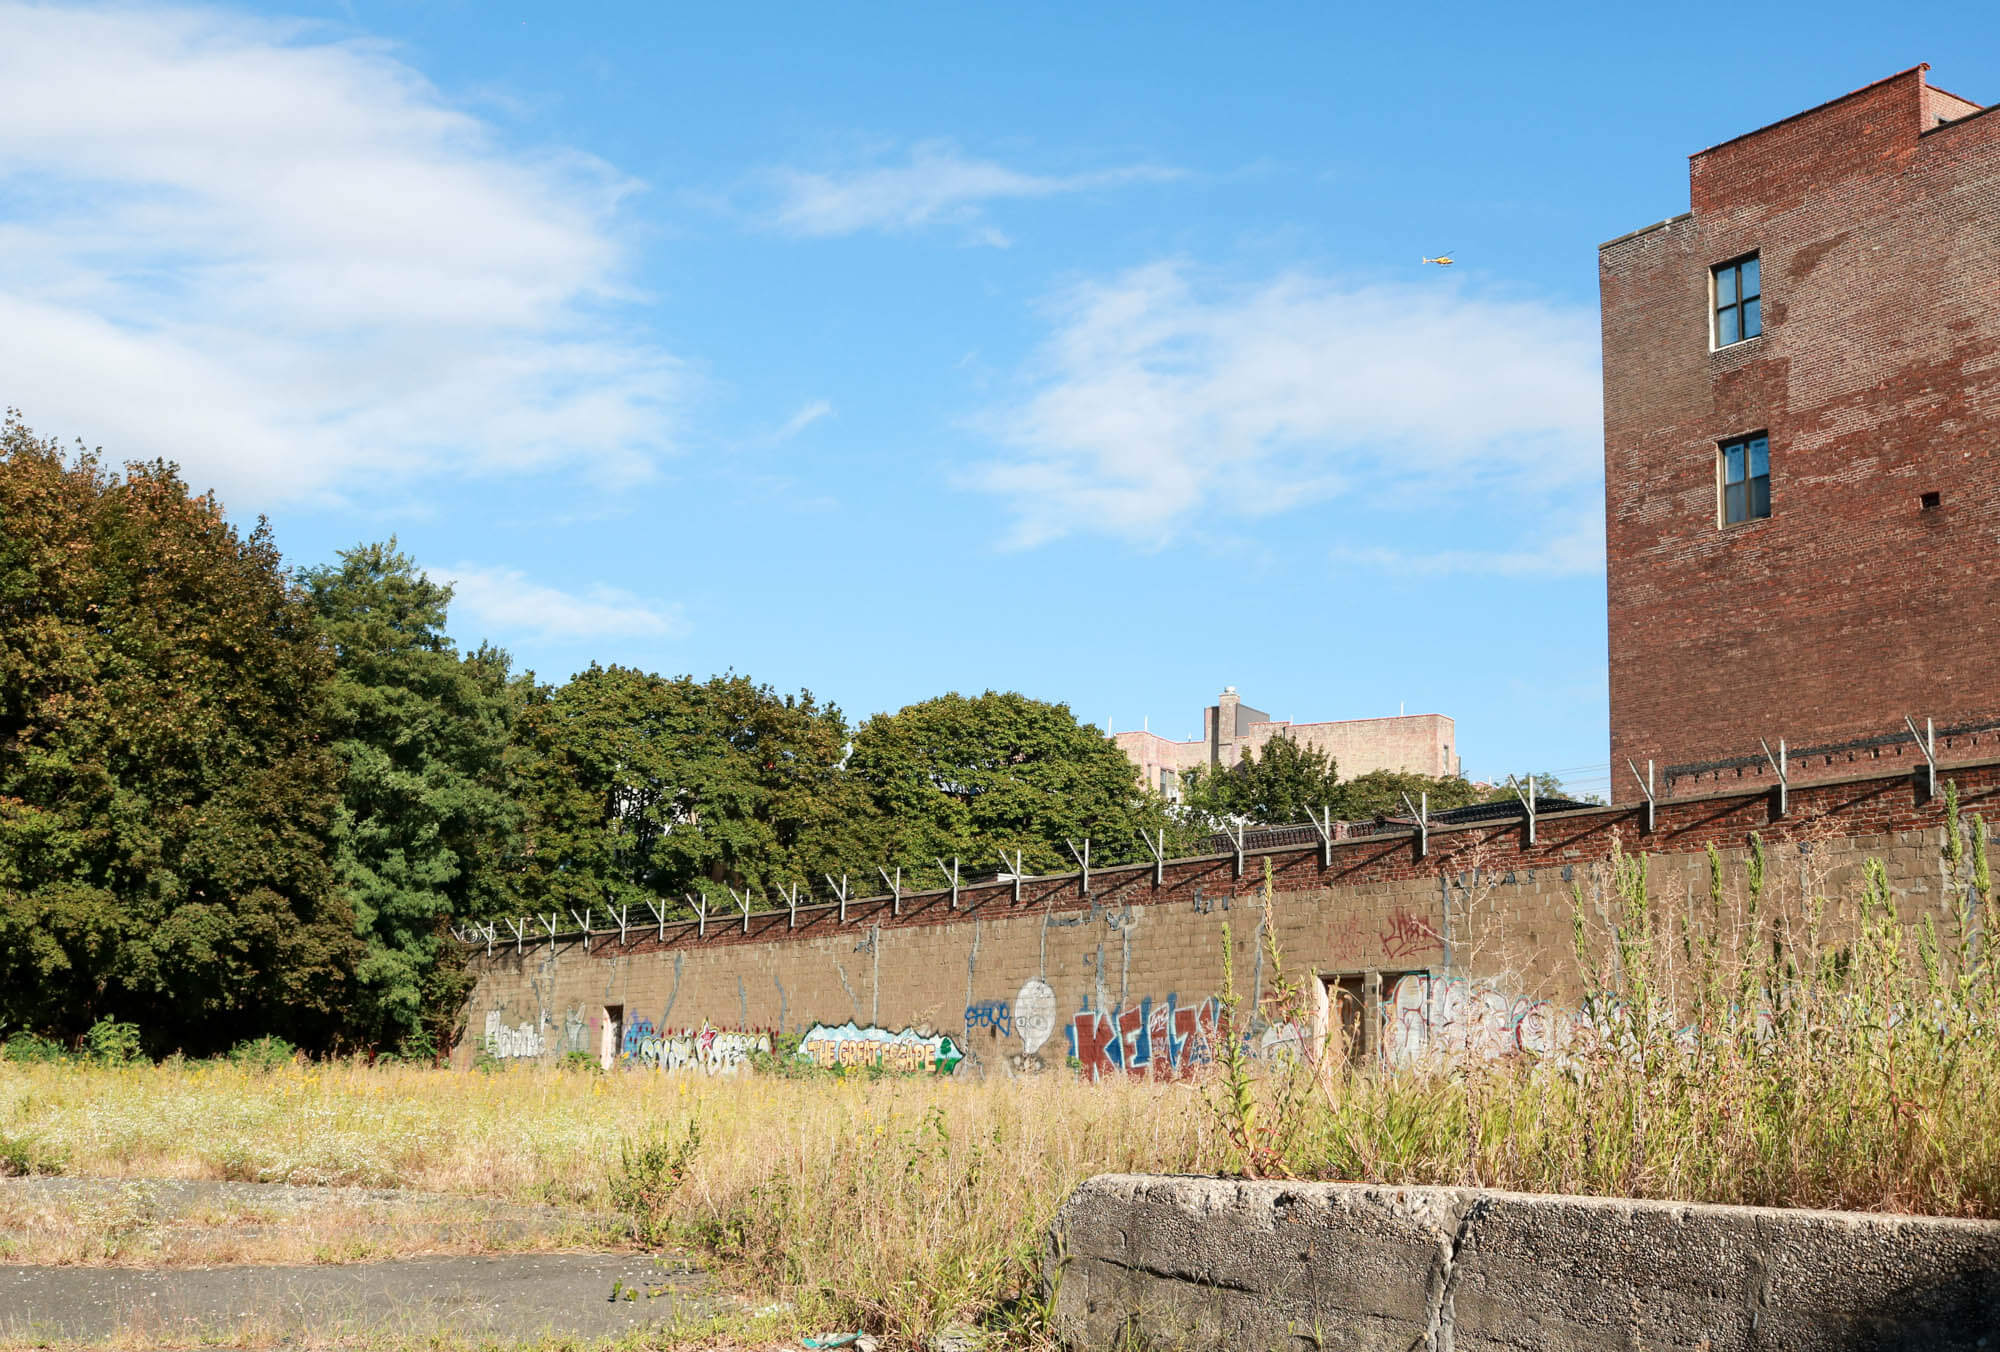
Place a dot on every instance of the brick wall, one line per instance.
(1877, 378)
(1120, 977)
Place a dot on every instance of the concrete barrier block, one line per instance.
(1200, 1263)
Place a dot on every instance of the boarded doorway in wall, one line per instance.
(1345, 1016)
(612, 1037)
(1406, 1014)
(1348, 1016)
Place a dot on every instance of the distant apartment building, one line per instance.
(1423, 743)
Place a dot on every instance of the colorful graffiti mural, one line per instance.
(1162, 1040)
(706, 1050)
(850, 1046)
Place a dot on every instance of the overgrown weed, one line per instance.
(652, 1166)
(1760, 1037)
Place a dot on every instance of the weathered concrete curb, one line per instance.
(1198, 1263)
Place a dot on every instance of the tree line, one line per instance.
(238, 797)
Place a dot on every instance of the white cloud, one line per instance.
(936, 185)
(1574, 552)
(502, 601)
(289, 263)
(807, 415)
(1162, 403)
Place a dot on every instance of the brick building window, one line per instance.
(1739, 301)
(1746, 479)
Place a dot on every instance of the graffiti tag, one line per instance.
(1407, 934)
(507, 1043)
(995, 1015)
(706, 1050)
(1162, 1041)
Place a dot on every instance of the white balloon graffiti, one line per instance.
(1035, 1013)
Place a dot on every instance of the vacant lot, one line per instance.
(907, 1204)
(1760, 1044)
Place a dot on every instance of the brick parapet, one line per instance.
(1476, 939)
(1855, 806)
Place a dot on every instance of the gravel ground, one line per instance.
(513, 1297)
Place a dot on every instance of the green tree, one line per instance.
(165, 795)
(420, 733)
(642, 789)
(973, 777)
(1380, 793)
(1546, 786)
(1285, 784)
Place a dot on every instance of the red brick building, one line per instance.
(1802, 444)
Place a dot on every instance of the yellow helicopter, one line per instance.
(1443, 260)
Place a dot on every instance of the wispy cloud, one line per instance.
(1163, 401)
(288, 262)
(1573, 551)
(935, 184)
(806, 416)
(503, 602)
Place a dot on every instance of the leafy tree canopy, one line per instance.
(421, 735)
(974, 776)
(165, 797)
(1380, 793)
(1546, 786)
(639, 788)
(1288, 782)
(1285, 784)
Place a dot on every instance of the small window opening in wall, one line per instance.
(1746, 479)
(1931, 501)
(1739, 300)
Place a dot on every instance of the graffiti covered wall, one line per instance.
(1465, 950)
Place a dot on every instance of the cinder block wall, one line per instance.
(1477, 934)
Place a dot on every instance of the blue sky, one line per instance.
(889, 351)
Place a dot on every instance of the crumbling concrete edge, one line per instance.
(1198, 1262)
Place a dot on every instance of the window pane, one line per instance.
(1760, 497)
(1753, 318)
(1732, 503)
(1751, 276)
(1725, 286)
(1760, 456)
(1725, 327)
(1732, 464)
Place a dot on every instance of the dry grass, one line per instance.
(157, 1224)
(908, 1204)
